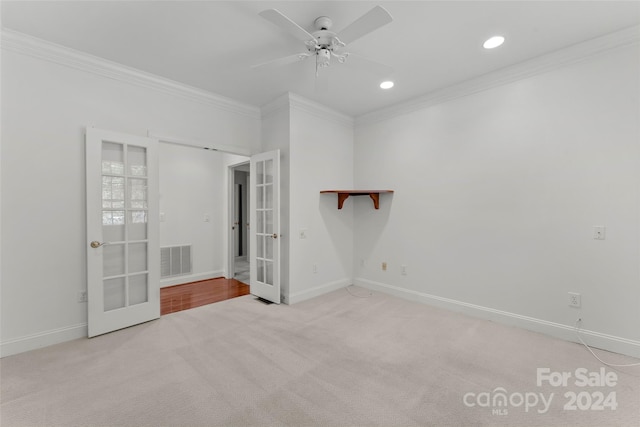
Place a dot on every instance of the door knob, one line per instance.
(274, 235)
(95, 244)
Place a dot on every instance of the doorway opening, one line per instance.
(239, 267)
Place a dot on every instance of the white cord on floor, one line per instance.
(359, 296)
(594, 355)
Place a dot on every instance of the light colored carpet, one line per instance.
(336, 360)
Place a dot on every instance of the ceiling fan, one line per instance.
(323, 43)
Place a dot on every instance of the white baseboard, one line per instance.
(42, 339)
(179, 280)
(317, 291)
(566, 332)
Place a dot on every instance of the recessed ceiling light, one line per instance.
(494, 41)
(386, 85)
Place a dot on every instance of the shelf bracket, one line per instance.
(341, 198)
(344, 195)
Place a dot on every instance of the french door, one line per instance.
(123, 252)
(265, 236)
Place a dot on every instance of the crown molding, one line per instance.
(15, 41)
(522, 70)
(303, 104)
(279, 104)
(291, 101)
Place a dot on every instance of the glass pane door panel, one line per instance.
(111, 217)
(259, 222)
(137, 193)
(260, 173)
(137, 225)
(137, 257)
(112, 192)
(113, 260)
(268, 171)
(268, 196)
(260, 197)
(138, 289)
(260, 246)
(260, 271)
(268, 222)
(137, 160)
(113, 233)
(269, 247)
(269, 273)
(114, 293)
(112, 158)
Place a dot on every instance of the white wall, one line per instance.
(46, 106)
(496, 196)
(316, 147)
(191, 186)
(321, 159)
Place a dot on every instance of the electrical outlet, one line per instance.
(315, 268)
(599, 232)
(82, 296)
(403, 270)
(384, 266)
(575, 300)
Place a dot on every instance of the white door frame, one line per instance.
(231, 181)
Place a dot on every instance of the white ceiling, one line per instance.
(212, 44)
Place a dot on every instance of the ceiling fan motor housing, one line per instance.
(323, 23)
(325, 40)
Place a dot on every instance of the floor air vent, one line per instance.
(175, 261)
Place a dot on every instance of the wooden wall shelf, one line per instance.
(344, 195)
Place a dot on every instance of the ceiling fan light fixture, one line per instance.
(493, 42)
(323, 58)
(388, 84)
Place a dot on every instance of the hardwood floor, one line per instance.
(190, 295)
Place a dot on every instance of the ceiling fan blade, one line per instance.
(364, 64)
(276, 17)
(370, 21)
(283, 61)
